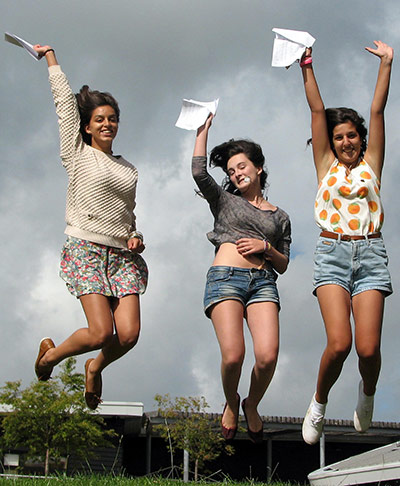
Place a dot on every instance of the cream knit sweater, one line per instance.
(101, 188)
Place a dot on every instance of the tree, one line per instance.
(188, 427)
(50, 419)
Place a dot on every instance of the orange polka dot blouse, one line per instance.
(349, 204)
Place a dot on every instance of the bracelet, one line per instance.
(307, 60)
(48, 50)
(267, 246)
(136, 234)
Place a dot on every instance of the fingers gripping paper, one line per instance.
(289, 46)
(195, 113)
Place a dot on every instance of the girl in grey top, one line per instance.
(252, 239)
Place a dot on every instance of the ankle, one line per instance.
(318, 407)
(48, 358)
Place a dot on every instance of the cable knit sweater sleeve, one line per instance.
(68, 115)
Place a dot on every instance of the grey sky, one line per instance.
(150, 55)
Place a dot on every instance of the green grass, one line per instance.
(97, 480)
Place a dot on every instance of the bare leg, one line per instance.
(368, 315)
(263, 322)
(98, 333)
(335, 305)
(127, 324)
(227, 318)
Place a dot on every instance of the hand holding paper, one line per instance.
(289, 46)
(13, 39)
(195, 113)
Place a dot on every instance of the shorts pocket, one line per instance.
(378, 247)
(216, 274)
(325, 245)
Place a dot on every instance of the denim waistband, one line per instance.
(245, 271)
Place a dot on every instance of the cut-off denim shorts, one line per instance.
(247, 285)
(355, 265)
(91, 268)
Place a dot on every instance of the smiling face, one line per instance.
(242, 172)
(346, 142)
(103, 127)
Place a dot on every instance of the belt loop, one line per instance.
(231, 270)
(339, 240)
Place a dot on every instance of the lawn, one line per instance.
(94, 480)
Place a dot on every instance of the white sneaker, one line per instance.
(313, 423)
(364, 410)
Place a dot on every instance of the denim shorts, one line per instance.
(247, 285)
(356, 265)
(91, 268)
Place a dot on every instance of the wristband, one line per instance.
(267, 246)
(48, 50)
(136, 234)
(307, 60)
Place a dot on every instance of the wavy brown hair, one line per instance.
(88, 101)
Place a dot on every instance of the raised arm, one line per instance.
(375, 152)
(207, 185)
(48, 53)
(200, 146)
(323, 155)
(71, 143)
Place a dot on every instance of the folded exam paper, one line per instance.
(13, 39)
(195, 113)
(289, 46)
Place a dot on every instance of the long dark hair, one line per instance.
(88, 101)
(220, 155)
(337, 116)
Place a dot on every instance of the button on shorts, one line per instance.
(247, 285)
(356, 265)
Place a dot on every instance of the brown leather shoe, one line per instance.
(92, 399)
(44, 373)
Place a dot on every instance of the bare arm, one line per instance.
(200, 146)
(253, 246)
(48, 53)
(376, 143)
(323, 155)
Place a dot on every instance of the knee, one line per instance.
(233, 360)
(266, 361)
(339, 350)
(101, 338)
(128, 341)
(369, 351)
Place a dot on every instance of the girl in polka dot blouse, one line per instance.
(350, 264)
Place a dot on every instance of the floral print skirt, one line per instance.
(91, 268)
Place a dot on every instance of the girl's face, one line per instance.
(242, 172)
(103, 127)
(347, 142)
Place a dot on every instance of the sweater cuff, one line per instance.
(55, 69)
(136, 234)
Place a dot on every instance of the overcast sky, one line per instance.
(149, 55)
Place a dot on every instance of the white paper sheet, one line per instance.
(289, 46)
(13, 39)
(194, 113)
